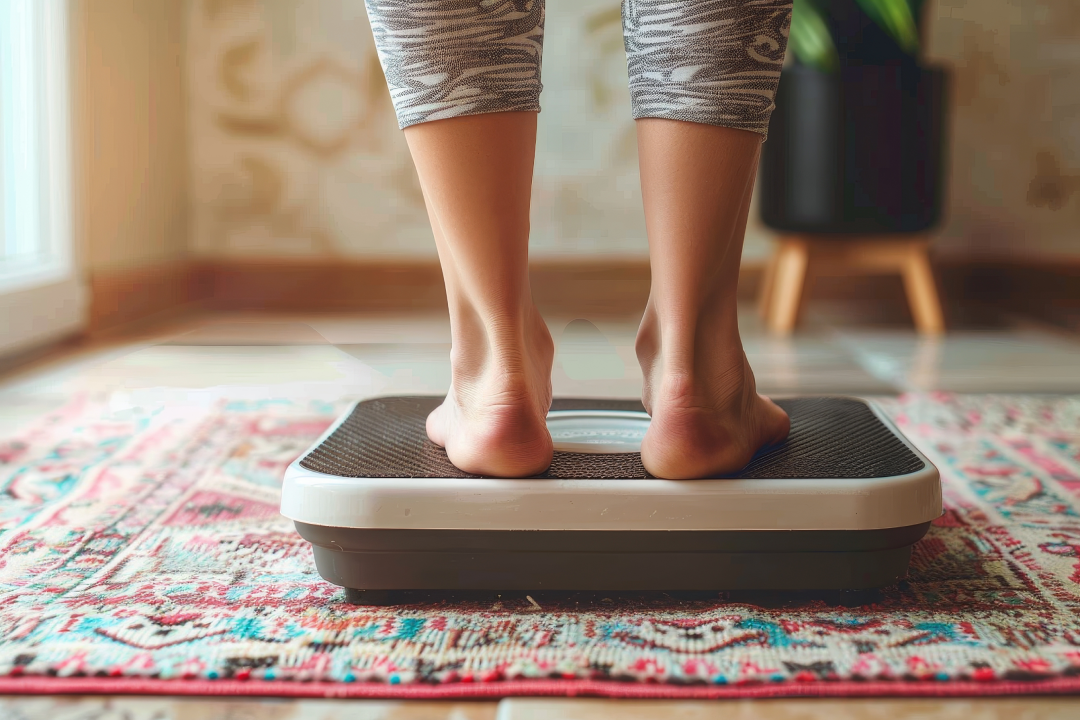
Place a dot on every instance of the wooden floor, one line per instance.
(338, 356)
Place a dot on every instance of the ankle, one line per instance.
(499, 394)
(494, 332)
(719, 385)
(502, 360)
(688, 345)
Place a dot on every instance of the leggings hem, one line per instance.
(703, 118)
(408, 122)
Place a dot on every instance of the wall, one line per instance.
(130, 129)
(295, 151)
(130, 122)
(1015, 155)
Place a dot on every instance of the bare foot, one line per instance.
(707, 417)
(493, 419)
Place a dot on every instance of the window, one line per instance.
(40, 295)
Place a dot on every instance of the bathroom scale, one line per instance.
(837, 506)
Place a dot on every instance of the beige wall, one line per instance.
(295, 151)
(130, 125)
(1015, 147)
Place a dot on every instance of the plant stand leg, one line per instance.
(768, 283)
(792, 262)
(921, 291)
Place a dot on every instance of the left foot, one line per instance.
(493, 421)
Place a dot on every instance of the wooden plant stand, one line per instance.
(796, 258)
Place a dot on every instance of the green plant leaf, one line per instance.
(810, 39)
(896, 18)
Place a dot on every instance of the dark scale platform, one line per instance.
(835, 507)
(830, 437)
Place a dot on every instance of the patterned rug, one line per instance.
(143, 552)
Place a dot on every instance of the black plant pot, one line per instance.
(859, 151)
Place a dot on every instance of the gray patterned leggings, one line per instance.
(706, 61)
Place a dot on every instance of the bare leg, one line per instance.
(476, 172)
(707, 417)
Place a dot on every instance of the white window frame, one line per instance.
(42, 297)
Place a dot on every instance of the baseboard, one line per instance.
(594, 287)
(321, 285)
(598, 287)
(119, 298)
(11, 363)
(1047, 289)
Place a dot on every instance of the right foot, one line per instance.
(707, 417)
(493, 421)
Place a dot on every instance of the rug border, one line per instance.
(541, 688)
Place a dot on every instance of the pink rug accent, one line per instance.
(534, 688)
(142, 553)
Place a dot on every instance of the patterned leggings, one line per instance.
(707, 61)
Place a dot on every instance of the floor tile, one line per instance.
(809, 365)
(18, 410)
(595, 359)
(856, 709)
(586, 353)
(408, 368)
(251, 332)
(161, 375)
(207, 366)
(364, 329)
(167, 708)
(1024, 361)
(810, 362)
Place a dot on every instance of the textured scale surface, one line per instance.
(830, 438)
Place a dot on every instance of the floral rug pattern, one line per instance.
(148, 546)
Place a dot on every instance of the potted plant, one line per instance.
(856, 142)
